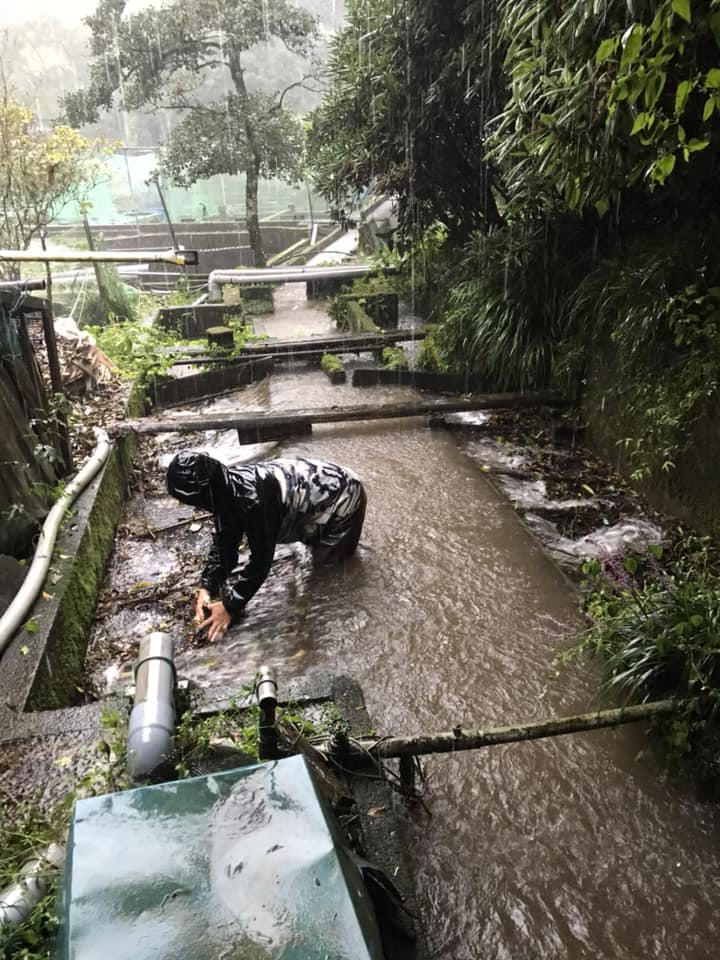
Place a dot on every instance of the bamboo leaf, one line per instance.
(606, 49)
(682, 9)
(681, 95)
(641, 121)
(632, 41)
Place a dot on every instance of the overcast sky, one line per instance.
(13, 10)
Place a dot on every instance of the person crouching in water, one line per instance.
(278, 501)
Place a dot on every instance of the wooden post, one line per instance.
(407, 774)
(220, 337)
(100, 280)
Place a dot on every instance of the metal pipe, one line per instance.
(23, 285)
(21, 605)
(18, 899)
(284, 275)
(181, 258)
(152, 721)
(266, 695)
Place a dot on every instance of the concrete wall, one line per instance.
(222, 245)
(171, 391)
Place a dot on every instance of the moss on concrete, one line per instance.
(395, 358)
(58, 676)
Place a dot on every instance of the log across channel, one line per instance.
(258, 427)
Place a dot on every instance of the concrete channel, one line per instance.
(451, 614)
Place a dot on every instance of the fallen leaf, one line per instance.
(62, 762)
(24, 651)
(194, 527)
(47, 596)
(376, 811)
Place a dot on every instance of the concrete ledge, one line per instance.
(381, 308)
(43, 669)
(192, 322)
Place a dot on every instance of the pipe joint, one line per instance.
(266, 695)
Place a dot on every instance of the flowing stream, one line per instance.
(451, 614)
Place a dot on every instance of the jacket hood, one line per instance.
(198, 480)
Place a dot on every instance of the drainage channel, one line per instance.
(450, 614)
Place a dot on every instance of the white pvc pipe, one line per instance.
(281, 275)
(17, 900)
(18, 610)
(180, 258)
(152, 721)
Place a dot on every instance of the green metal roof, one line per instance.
(246, 864)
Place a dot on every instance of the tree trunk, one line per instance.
(252, 171)
(251, 214)
(249, 422)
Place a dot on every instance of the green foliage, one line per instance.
(656, 306)
(329, 363)
(605, 97)
(213, 140)
(40, 172)
(399, 74)
(502, 318)
(665, 85)
(395, 358)
(26, 831)
(28, 828)
(430, 355)
(194, 737)
(90, 307)
(161, 54)
(131, 345)
(657, 630)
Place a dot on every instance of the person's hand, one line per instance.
(218, 621)
(202, 599)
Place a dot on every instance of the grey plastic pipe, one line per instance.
(152, 721)
(217, 278)
(21, 605)
(17, 900)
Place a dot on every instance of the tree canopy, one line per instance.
(160, 57)
(40, 173)
(413, 85)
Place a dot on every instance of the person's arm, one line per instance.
(221, 559)
(262, 526)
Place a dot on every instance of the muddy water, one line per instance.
(450, 614)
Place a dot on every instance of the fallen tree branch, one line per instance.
(456, 740)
